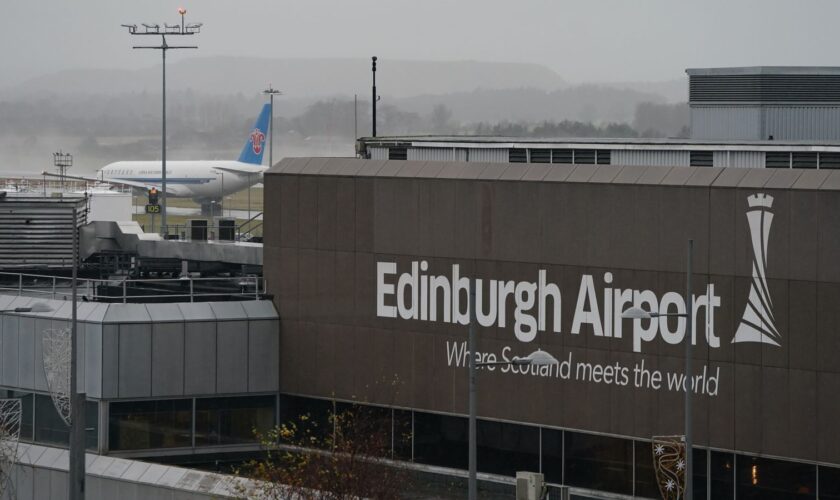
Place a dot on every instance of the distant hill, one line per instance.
(588, 103)
(673, 91)
(298, 78)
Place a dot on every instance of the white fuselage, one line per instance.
(201, 180)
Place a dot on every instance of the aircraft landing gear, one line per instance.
(211, 209)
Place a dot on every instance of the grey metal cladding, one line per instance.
(93, 360)
(200, 357)
(198, 311)
(9, 368)
(232, 357)
(160, 313)
(135, 356)
(167, 359)
(127, 313)
(260, 309)
(263, 352)
(227, 310)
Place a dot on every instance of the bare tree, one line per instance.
(340, 461)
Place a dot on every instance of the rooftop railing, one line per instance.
(127, 290)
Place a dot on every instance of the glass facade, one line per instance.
(440, 440)
(829, 481)
(768, 479)
(590, 461)
(599, 462)
(27, 402)
(234, 420)
(141, 425)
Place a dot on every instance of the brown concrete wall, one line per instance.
(326, 232)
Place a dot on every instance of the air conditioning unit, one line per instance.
(529, 485)
(197, 229)
(227, 229)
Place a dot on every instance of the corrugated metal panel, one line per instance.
(38, 232)
(489, 155)
(432, 154)
(651, 158)
(802, 122)
(378, 153)
(810, 88)
(739, 159)
(726, 123)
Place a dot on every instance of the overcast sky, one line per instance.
(583, 40)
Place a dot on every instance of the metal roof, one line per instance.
(766, 70)
(540, 172)
(455, 141)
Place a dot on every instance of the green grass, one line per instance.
(177, 223)
(236, 201)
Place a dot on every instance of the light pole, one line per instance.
(270, 92)
(76, 479)
(172, 30)
(638, 313)
(536, 358)
(375, 97)
(62, 161)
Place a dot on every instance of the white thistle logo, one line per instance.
(758, 323)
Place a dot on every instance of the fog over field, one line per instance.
(571, 68)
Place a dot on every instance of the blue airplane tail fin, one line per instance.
(256, 143)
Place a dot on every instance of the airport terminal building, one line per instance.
(369, 263)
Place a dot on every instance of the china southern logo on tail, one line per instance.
(758, 322)
(257, 140)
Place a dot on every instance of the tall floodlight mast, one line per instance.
(183, 29)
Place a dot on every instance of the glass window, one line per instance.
(91, 425)
(234, 420)
(313, 413)
(402, 434)
(562, 156)
(140, 425)
(804, 160)
(585, 156)
(440, 440)
(540, 156)
(506, 448)
(599, 462)
(26, 405)
(701, 158)
(768, 479)
(723, 475)
(49, 427)
(646, 484)
(603, 157)
(552, 455)
(829, 483)
(829, 160)
(777, 160)
(700, 473)
(517, 155)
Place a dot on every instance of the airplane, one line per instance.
(207, 182)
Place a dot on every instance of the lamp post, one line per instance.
(536, 358)
(271, 92)
(374, 96)
(172, 30)
(638, 313)
(62, 161)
